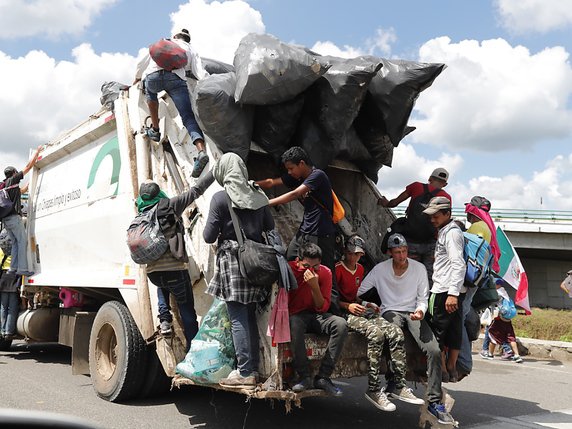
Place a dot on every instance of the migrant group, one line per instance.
(420, 286)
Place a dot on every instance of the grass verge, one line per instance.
(545, 324)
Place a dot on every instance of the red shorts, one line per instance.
(501, 332)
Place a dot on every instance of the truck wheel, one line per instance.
(117, 353)
(5, 345)
(156, 381)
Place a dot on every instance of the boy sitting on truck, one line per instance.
(308, 305)
(364, 318)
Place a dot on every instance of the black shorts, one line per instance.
(447, 327)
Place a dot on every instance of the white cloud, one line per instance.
(409, 167)
(48, 17)
(523, 16)
(216, 28)
(53, 96)
(330, 48)
(379, 44)
(493, 96)
(549, 188)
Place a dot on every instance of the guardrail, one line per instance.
(512, 215)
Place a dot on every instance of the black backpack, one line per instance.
(419, 228)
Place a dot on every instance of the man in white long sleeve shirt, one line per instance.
(448, 291)
(174, 83)
(403, 289)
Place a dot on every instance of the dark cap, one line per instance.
(10, 171)
(149, 190)
(183, 34)
(480, 202)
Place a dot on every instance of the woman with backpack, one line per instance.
(228, 284)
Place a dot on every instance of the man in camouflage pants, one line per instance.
(364, 318)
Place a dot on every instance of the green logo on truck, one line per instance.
(111, 148)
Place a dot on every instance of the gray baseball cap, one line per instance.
(436, 204)
(396, 240)
(441, 174)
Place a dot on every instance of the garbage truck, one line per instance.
(89, 295)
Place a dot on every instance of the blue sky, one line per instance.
(499, 117)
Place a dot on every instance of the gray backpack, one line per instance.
(5, 242)
(145, 239)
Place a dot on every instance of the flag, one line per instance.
(512, 271)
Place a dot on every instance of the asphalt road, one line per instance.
(497, 394)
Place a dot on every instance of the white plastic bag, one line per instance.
(486, 317)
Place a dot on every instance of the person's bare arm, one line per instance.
(24, 189)
(299, 192)
(32, 161)
(396, 201)
(269, 183)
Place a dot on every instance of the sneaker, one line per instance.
(380, 400)
(517, 359)
(441, 414)
(201, 162)
(326, 384)
(304, 384)
(507, 356)
(234, 379)
(153, 134)
(405, 394)
(166, 328)
(485, 354)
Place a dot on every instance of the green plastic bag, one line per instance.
(211, 356)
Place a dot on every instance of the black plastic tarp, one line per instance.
(227, 123)
(269, 71)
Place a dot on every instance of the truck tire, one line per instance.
(156, 381)
(117, 354)
(5, 345)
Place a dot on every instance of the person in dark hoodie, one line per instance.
(170, 272)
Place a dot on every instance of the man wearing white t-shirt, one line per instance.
(403, 289)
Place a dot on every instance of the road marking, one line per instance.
(561, 419)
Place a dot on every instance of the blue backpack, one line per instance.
(478, 257)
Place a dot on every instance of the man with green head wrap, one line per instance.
(170, 273)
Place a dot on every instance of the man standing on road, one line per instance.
(403, 289)
(420, 234)
(448, 290)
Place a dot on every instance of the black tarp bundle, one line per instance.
(281, 95)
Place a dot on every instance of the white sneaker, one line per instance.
(379, 399)
(234, 379)
(405, 394)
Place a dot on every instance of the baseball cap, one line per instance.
(396, 240)
(480, 202)
(355, 244)
(148, 190)
(441, 174)
(436, 204)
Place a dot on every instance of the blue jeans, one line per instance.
(15, 227)
(177, 89)
(244, 336)
(9, 308)
(465, 359)
(179, 284)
